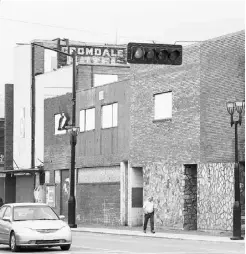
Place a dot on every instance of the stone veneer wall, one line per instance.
(174, 189)
(165, 183)
(215, 196)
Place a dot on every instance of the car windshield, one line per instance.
(34, 213)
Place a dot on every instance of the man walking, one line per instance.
(148, 209)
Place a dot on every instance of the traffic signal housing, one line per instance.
(147, 53)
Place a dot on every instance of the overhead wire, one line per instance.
(65, 28)
(53, 26)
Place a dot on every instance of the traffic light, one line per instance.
(146, 53)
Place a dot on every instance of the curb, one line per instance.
(159, 235)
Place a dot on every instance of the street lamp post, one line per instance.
(73, 139)
(239, 107)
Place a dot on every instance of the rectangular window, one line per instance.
(163, 106)
(110, 115)
(103, 79)
(87, 119)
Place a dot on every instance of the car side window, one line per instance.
(7, 212)
(2, 210)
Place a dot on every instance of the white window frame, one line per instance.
(113, 116)
(163, 105)
(84, 119)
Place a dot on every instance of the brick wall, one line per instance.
(85, 74)
(56, 147)
(98, 203)
(10, 182)
(175, 140)
(8, 126)
(222, 80)
(212, 73)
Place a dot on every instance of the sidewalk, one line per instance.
(160, 233)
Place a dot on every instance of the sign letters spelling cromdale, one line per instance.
(97, 54)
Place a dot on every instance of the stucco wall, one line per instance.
(22, 103)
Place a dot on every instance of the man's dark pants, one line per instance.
(148, 216)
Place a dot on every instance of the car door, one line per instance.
(6, 225)
(2, 210)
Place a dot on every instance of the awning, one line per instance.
(22, 171)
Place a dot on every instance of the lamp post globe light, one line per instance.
(238, 107)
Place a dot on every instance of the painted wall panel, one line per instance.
(22, 102)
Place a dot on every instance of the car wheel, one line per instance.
(12, 243)
(65, 247)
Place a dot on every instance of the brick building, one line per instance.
(99, 153)
(128, 149)
(187, 157)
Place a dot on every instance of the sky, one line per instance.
(119, 22)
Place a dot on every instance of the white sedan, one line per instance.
(33, 225)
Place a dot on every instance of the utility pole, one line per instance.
(73, 141)
(73, 137)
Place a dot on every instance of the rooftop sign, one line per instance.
(95, 54)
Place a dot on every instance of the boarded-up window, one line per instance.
(103, 79)
(163, 106)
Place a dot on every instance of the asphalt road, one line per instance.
(91, 243)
